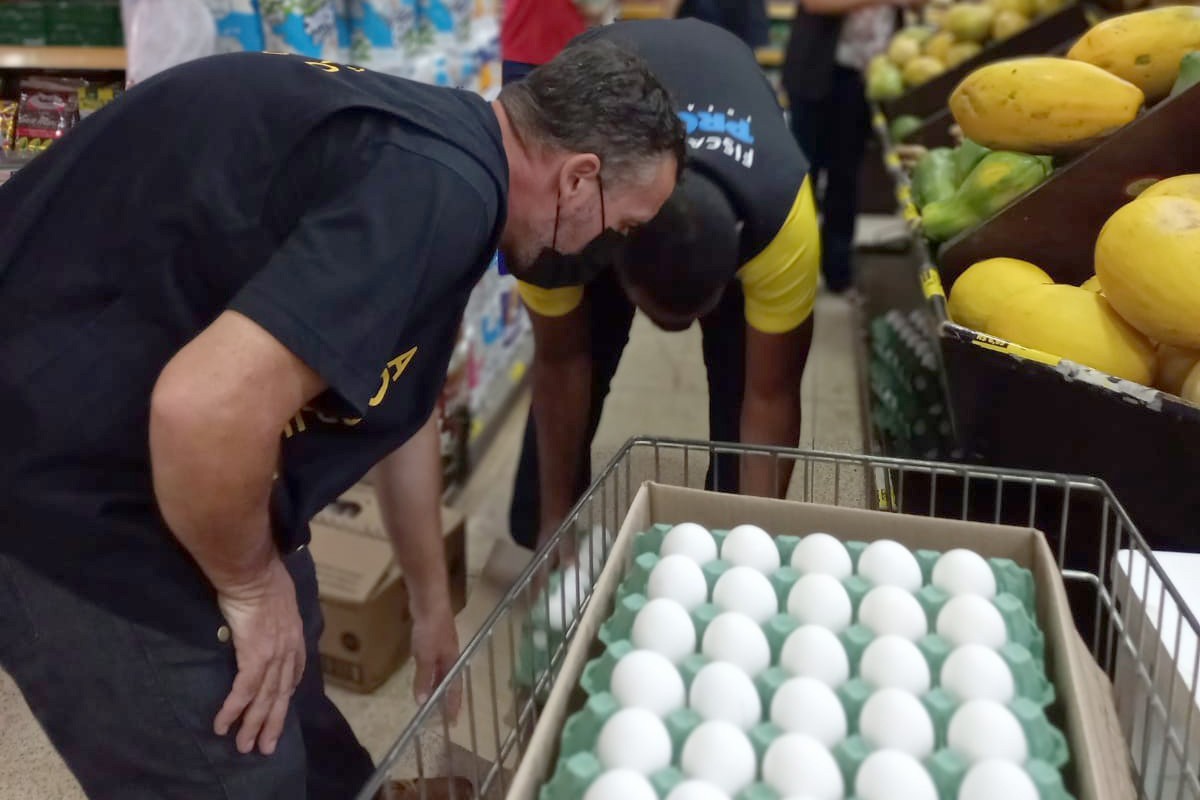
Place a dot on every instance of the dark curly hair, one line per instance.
(598, 97)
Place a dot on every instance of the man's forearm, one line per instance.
(561, 408)
(408, 483)
(772, 419)
(212, 480)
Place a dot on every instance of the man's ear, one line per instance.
(576, 173)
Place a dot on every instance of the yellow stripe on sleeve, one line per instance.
(780, 283)
(550, 302)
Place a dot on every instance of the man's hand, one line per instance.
(268, 638)
(435, 649)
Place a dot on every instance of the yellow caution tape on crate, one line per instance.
(1001, 346)
(886, 499)
(931, 283)
(892, 159)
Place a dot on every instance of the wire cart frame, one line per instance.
(1141, 633)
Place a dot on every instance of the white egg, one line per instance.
(892, 610)
(823, 554)
(815, 652)
(633, 738)
(962, 571)
(691, 540)
(719, 753)
(997, 780)
(722, 691)
(679, 578)
(808, 706)
(646, 679)
(735, 638)
(818, 599)
(894, 662)
(747, 591)
(893, 719)
(620, 784)
(975, 672)
(696, 790)
(751, 546)
(893, 775)
(799, 764)
(665, 627)
(983, 729)
(970, 619)
(888, 563)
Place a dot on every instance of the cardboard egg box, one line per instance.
(1083, 706)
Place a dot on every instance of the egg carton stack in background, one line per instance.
(740, 665)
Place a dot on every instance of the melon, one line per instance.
(1148, 258)
(1191, 386)
(1179, 186)
(984, 285)
(1092, 284)
(1078, 325)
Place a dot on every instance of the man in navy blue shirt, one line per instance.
(223, 299)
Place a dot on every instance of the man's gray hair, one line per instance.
(597, 97)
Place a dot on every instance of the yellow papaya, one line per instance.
(1148, 258)
(1092, 284)
(939, 45)
(1042, 105)
(903, 49)
(1077, 325)
(1179, 186)
(1191, 386)
(1008, 23)
(922, 69)
(1145, 47)
(1026, 8)
(970, 22)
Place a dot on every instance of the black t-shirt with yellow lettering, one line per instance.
(348, 213)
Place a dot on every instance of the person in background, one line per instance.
(534, 31)
(735, 247)
(745, 19)
(830, 44)
(207, 335)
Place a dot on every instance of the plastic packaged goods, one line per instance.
(49, 107)
(238, 25)
(446, 21)
(306, 27)
(8, 125)
(383, 33)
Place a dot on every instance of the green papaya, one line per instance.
(885, 82)
(902, 126)
(934, 177)
(997, 180)
(966, 156)
(1189, 73)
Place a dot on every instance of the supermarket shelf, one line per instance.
(501, 396)
(781, 10)
(770, 56)
(85, 58)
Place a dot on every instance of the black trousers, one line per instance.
(610, 317)
(832, 131)
(130, 708)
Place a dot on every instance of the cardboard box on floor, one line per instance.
(1084, 708)
(368, 625)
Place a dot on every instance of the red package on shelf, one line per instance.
(49, 108)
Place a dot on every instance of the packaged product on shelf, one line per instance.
(307, 27)
(49, 107)
(382, 32)
(447, 20)
(96, 96)
(238, 25)
(8, 125)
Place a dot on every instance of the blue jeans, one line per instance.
(832, 131)
(130, 708)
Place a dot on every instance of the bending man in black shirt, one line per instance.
(736, 247)
(222, 300)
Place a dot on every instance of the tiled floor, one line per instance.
(660, 389)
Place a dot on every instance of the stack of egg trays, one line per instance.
(578, 765)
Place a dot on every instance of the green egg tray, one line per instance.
(578, 764)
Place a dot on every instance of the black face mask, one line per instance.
(554, 270)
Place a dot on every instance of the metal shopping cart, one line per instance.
(1141, 633)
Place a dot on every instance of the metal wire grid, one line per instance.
(1140, 634)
